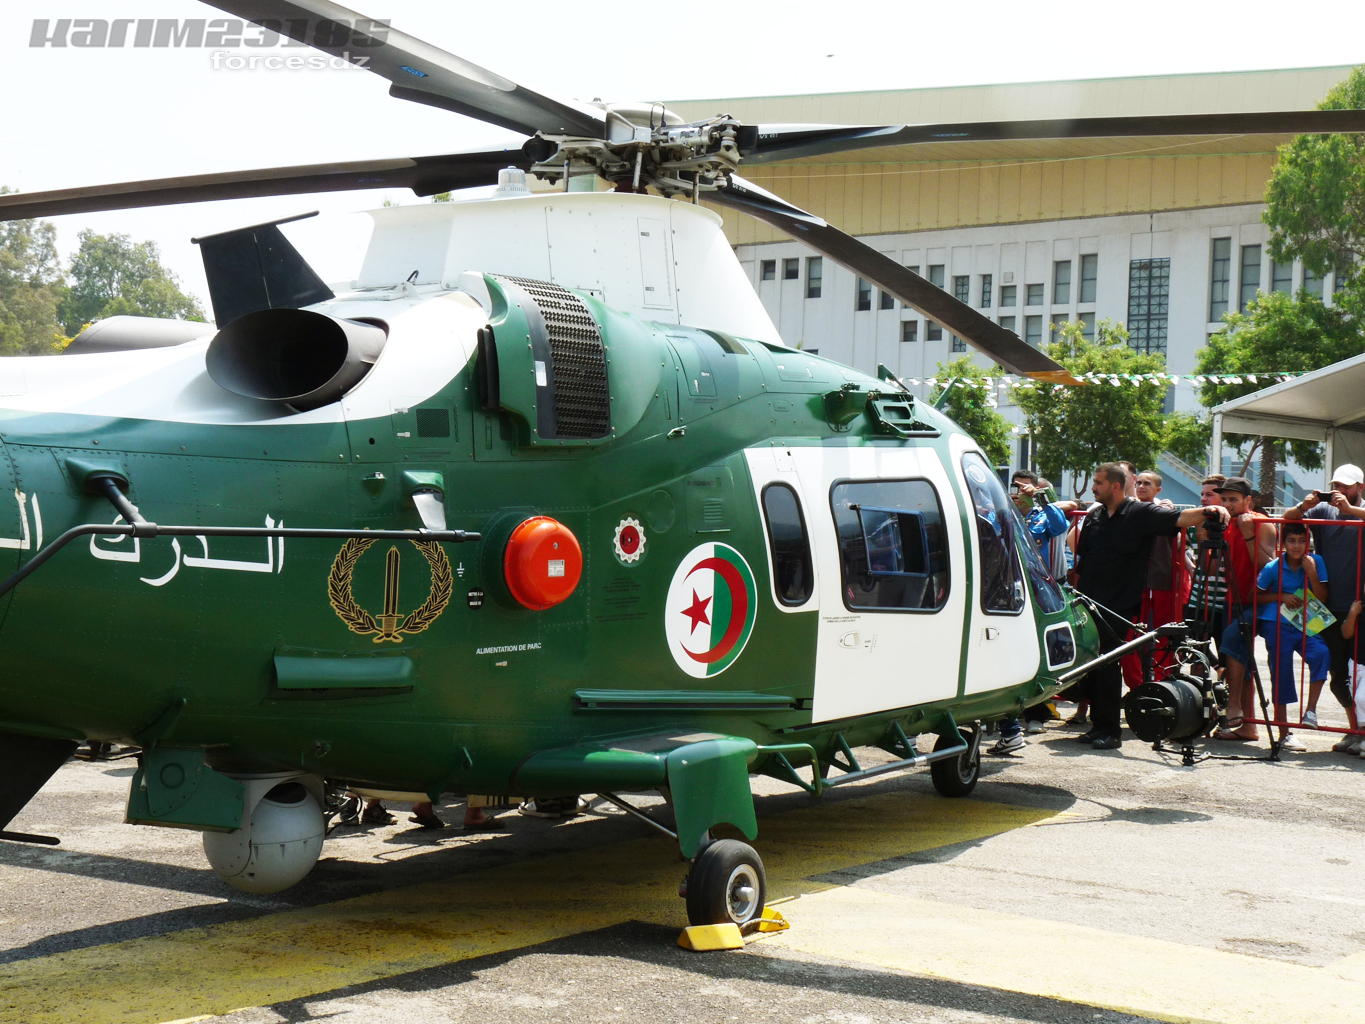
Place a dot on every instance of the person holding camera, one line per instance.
(1111, 566)
(1340, 550)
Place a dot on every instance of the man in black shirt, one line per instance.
(1111, 566)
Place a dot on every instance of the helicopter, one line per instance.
(540, 504)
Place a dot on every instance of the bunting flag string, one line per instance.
(1118, 380)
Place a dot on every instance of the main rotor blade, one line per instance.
(791, 142)
(419, 71)
(425, 175)
(988, 337)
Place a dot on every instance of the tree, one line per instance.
(1315, 199)
(113, 275)
(973, 407)
(1076, 429)
(30, 287)
(1188, 437)
(1276, 333)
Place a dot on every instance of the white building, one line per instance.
(1162, 234)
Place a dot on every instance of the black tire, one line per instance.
(716, 882)
(957, 776)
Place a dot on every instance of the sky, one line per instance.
(89, 116)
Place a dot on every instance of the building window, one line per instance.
(888, 301)
(1338, 284)
(1312, 284)
(1008, 293)
(986, 286)
(769, 270)
(913, 269)
(932, 331)
(815, 269)
(1087, 326)
(936, 275)
(1033, 296)
(1251, 276)
(1061, 283)
(909, 330)
(1220, 277)
(1007, 322)
(791, 270)
(1090, 273)
(1033, 330)
(962, 286)
(957, 345)
(864, 296)
(1281, 276)
(1149, 304)
(1058, 322)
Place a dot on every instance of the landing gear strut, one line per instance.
(726, 884)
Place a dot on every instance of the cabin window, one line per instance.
(793, 576)
(997, 527)
(893, 548)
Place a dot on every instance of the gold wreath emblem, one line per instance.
(390, 624)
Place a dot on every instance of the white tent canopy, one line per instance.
(1327, 405)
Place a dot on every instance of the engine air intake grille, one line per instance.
(578, 361)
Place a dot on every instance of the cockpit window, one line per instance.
(997, 523)
(1045, 588)
(893, 549)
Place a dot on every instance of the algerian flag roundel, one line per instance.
(710, 610)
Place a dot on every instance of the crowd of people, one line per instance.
(1227, 568)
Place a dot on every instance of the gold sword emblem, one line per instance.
(390, 624)
(389, 618)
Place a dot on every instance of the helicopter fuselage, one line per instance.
(412, 667)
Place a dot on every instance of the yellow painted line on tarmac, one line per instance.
(1128, 973)
(299, 953)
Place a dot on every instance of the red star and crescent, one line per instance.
(739, 609)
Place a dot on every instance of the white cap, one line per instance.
(1348, 474)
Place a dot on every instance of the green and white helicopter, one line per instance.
(541, 504)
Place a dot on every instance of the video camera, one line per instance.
(1213, 524)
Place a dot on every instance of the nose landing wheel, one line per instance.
(726, 884)
(957, 776)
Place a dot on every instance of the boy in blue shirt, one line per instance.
(1277, 583)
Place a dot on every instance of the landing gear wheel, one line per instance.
(726, 884)
(956, 776)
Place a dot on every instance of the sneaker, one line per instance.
(1108, 743)
(1033, 728)
(1348, 744)
(1292, 742)
(1008, 746)
(1310, 719)
(552, 807)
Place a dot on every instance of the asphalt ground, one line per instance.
(1071, 886)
